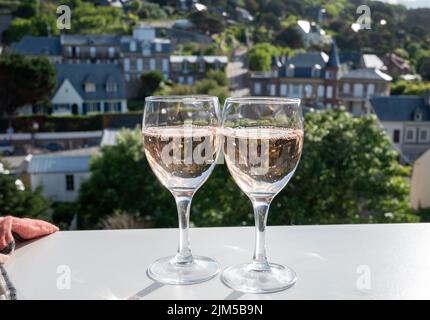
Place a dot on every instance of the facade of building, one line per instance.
(312, 34)
(321, 80)
(90, 49)
(60, 175)
(189, 69)
(49, 47)
(144, 52)
(420, 183)
(406, 120)
(87, 88)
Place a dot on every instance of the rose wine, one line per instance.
(182, 157)
(262, 160)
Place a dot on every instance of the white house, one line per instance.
(87, 88)
(60, 174)
(406, 120)
(420, 184)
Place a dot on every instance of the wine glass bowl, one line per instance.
(181, 145)
(262, 142)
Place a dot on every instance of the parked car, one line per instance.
(52, 146)
(7, 149)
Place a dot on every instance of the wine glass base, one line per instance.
(244, 278)
(164, 270)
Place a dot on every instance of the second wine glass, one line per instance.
(181, 145)
(263, 141)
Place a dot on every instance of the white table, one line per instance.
(332, 262)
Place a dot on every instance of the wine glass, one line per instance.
(181, 145)
(262, 143)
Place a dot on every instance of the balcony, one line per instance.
(332, 262)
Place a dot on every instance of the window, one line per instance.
(139, 65)
(93, 52)
(90, 87)
(396, 136)
(111, 52)
(152, 65)
(201, 66)
(165, 65)
(158, 47)
(185, 66)
(329, 75)
(92, 107)
(257, 88)
(132, 46)
(112, 106)
(273, 89)
(181, 79)
(358, 90)
(127, 64)
(290, 70)
(190, 80)
(346, 88)
(308, 91)
(296, 91)
(69, 52)
(284, 89)
(410, 135)
(316, 71)
(424, 135)
(70, 182)
(61, 106)
(329, 92)
(320, 91)
(370, 89)
(111, 87)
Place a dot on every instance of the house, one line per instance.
(143, 52)
(90, 48)
(86, 88)
(420, 183)
(49, 47)
(322, 80)
(406, 120)
(189, 69)
(60, 175)
(396, 66)
(312, 34)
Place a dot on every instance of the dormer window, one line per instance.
(90, 87)
(111, 52)
(201, 66)
(93, 52)
(132, 46)
(111, 87)
(316, 71)
(290, 70)
(418, 116)
(185, 66)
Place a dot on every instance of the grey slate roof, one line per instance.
(370, 74)
(333, 57)
(59, 164)
(399, 108)
(97, 40)
(36, 46)
(99, 74)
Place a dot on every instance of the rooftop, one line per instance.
(366, 73)
(399, 108)
(193, 59)
(59, 164)
(36, 46)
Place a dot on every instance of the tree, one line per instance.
(289, 37)
(206, 22)
(24, 81)
(424, 67)
(150, 82)
(260, 56)
(18, 201)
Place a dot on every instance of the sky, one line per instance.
(411, 3)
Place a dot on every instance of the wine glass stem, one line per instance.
(261, 209)
(183, 255)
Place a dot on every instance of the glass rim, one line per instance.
(181, 98)
(263, 99)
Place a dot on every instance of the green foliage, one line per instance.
(206, 22)
(20, 203)
(289, 37)
(219, 77)
(150, 82)
(24, 81)
(260, 56)
(348, 174)
(403, 87)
